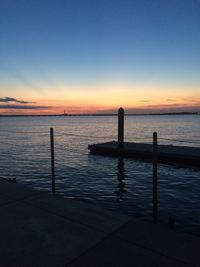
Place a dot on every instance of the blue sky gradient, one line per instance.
(93, 42)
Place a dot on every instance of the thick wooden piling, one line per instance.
(155, 160)
(120, 127)
(52, 161)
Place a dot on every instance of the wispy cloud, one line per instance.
(11, 99)
(23, 107)
(190, 99)
(170, 100)
(145, 100)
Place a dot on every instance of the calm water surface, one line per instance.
(25, 155)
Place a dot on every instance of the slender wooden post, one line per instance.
(155, 160)
(52, 161)
(120, 127)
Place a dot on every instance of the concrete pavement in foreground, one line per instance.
(38, 229)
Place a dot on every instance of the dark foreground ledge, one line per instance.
(38, 229)
(166, 153)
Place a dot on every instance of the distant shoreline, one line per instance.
(103, 115)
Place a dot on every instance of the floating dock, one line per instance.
(166, 153)
(188, 156)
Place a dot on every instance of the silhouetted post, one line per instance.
(52, 161)
(120, 127)
(155, 160)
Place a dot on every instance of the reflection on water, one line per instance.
(121, 177)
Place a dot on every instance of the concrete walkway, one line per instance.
(38, 229)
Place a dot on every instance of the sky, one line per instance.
(94, 56)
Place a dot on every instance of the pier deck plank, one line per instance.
(167, 153)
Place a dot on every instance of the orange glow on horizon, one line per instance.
(104, 98)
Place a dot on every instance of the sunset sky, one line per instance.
(91, 56)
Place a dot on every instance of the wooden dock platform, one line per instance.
(166, 153)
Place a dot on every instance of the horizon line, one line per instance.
(98, 114)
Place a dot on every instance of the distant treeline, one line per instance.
(114, 114)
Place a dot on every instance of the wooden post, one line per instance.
(120, 127)
(52, 161)
(155, 160)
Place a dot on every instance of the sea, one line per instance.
(122, 185)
